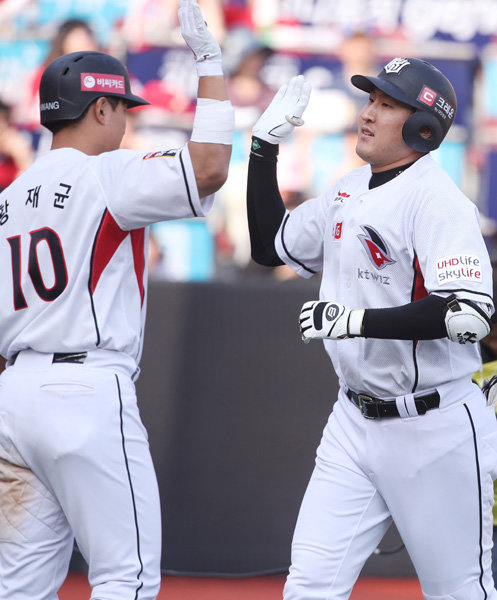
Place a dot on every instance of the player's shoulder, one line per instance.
(431, 183)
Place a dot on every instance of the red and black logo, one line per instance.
(376, 247)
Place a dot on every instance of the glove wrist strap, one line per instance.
(354, 326)
(264, 150)
(210, 68)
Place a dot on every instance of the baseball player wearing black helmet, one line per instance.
(73, 81)
(74, 457)
(406, 291)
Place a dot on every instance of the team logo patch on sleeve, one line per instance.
(457, 267)
(376, 248)
(160, 154)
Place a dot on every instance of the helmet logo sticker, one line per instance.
(427, 96)
(396, 65)
(102, 82)
(376, 248)
(89, 81)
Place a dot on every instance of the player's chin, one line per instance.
(364, 148)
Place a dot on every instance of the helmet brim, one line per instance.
(368, 84)
(133, 100)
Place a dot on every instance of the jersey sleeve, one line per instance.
(450, 248)
(141, 189)
(299, 241)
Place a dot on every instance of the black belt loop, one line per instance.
(69, 357)
(62, 357)
(376, 408)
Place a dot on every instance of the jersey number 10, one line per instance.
(59, 265)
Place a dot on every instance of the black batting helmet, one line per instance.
(71, 82)
(420, 85)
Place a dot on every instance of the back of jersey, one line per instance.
(57, 241)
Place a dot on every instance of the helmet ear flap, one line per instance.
(414, 139)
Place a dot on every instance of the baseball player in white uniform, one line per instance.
(406, 291)
(74, 456)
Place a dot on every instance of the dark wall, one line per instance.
(235, 404)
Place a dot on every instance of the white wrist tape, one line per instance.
(209, 68)
(355, 322)
(214, 122)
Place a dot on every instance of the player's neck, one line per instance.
(406, 160)
(381, 177)
(81, 139)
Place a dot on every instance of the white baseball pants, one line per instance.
(431, 474)
(75, 462)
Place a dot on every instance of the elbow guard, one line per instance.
(466, 322)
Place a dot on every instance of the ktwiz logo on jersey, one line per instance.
(376, 248)
(457, 267)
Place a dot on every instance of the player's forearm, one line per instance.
(214, 122)
(430, 318)
(265, 208)
(210, 165)
(212, 134)
(212, 87)
(420, 320)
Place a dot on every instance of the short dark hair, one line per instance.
(57, 126)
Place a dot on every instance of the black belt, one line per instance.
(375, 408)
(64, 357)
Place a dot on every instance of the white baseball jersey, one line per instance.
(415, 235)
(71, 226)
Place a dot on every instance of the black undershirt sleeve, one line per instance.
(420, 320)
(265, 208)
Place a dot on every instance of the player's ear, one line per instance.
(100, 108)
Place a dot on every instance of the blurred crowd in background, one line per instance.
(265, 43)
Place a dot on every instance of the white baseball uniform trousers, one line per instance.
(75, 462)
(431, 474)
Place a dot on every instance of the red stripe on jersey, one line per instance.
(138, 245)
(419, 290)
(109, 238)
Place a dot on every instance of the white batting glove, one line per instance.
(329, 320)
(285, 111)
(489, 388)
(202, 43)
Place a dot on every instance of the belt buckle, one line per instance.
(365, 400)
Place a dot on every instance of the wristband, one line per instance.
(354, 326)
(264, 150)
(214, 122)
(209, 68)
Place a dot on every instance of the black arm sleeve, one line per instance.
(420, 320)
(265, 208)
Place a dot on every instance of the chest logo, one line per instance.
(341, 196)
(376, 248)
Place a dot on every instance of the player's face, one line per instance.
(380, 141)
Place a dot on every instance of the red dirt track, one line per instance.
(256, 588)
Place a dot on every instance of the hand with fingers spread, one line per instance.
(284, 113)
(194, 30)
